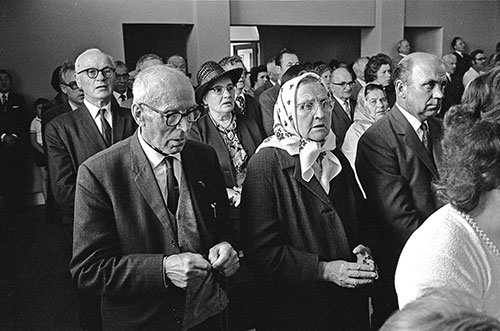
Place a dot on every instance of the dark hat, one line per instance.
(208, 73)
(292, 72)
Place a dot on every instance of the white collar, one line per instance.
(94, 110)
(342, 102)
(153, 156)
(414, 122)
(402, 55)
(362, 82)
(72, 105)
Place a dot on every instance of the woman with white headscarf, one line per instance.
(300, 216)
(376, 106)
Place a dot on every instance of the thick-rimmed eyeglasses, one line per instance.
(219, 89)
(344, 84)
(173, 118)
(92, 73)
(72, 85)
(326, 105)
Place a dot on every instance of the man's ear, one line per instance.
(400, 88)
(137, 114)
(77, 80)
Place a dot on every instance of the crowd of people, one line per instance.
(291, 196)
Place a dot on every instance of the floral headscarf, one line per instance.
(287, 137)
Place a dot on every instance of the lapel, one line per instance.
(88, 125)
(341, 112)
(403, 129)
(196, 184)
(312, 186)
(118, 122)
(146, 183)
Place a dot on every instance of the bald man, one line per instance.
(396, 163)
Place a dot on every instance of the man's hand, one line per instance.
(183, 268)
(234, 195)
(224, 258)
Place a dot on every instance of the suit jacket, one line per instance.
(73, 137)
(258, 92)
(396, 172)
(252, 111)
(15, 118)
(340, 121)
(204, 130)
(267, 100)
(123, 232)
(463, 64)
(52, 113)
(452, 96)
(355, 89)
(288, 227)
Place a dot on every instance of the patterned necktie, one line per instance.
(105, 127)
(241, 103)
(172, 185)
(347, 109)
(123, 97)
(4, 99)
(425, 135)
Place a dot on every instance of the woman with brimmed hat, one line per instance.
(234, 137)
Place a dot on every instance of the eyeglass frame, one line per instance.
(72, 85)
(318, 104)
(112, 70)
(344, 84)
(230, 88)
(169, 115)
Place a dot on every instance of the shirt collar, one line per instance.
(342, 102)
(153, 156)
(72, 105)
(414, 122)
(94, 109)
(362, 82)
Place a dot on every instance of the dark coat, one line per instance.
(249, 134)
(340, 121)
(452, 95)
(396, 172)
(72, 138)
(267, 100)
(288, 225)
(252, 111)
(463, 64)
(123, 232)
(258, 92)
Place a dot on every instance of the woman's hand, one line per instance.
(347, 274)
(234, 195)
(364, 256)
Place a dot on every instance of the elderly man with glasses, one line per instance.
(150, 218)
(343, 109)
(73, 137)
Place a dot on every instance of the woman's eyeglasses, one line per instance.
(219, 89)
(311, 106)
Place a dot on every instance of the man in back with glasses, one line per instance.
(73, 137)
(151, 214)
(343, 109)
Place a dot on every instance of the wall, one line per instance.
(476, 21)
(312, 43)
(37, 35)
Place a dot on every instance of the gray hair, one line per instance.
(91, 50)
(153, 85)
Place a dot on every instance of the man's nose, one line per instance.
(438, 92)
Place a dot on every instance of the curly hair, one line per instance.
(374, 64)
(483, 94)
(471, 158)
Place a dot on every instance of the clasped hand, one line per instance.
(350, 274)
(182, 269)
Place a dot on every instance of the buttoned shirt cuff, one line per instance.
(166, 281)
(2, 136)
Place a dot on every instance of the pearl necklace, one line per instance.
(479, 232)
